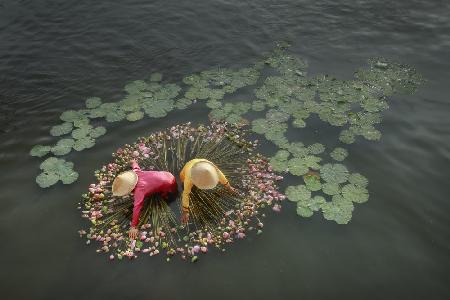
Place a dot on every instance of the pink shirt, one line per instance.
(150, 182)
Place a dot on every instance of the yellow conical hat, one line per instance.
(204, 175)
(124, 183)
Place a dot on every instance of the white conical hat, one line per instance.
(204, 175)
(124, 183)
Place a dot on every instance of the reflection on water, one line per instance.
(56, 54)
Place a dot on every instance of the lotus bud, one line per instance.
(196, 249)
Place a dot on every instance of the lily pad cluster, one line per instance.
(333, 191)
(54, 170)
(298, 159)
(286, 98)
(229, 112)
(215, 83)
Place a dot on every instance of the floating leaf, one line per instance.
(71, 115)
(279, 162)
(158, 109)
(115, 115)
(331, 188)
(63, 147)
(61, 129)
(358, 180)
(312, 182)
(183, 103)
(305, 208)
(68, 176)
(277, 115)
(84, 143)
(97, 132)
(334, 173)
(316, 148)
(40, 150)
(298, 193)
(135, 116)
(49, 163)
(93, 102)
(339, 154)
(47, 179)
(298, 149)
(298, 167)
(82, 132)
(258, 105)
(355, 193)
(213, 104)
(339, 210)
(347, 137)
(304, 211)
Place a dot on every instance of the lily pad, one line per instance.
(97, 132)
(61, 129)
(304, 211)
(40, 150)
(84, 143)
(93, 102)
(305, 208)
(339, 210)
(358, 180)
(339, 154)
(258, 105)
(331, 188)
(298, 149)
(355, 193)
(82, 132)
(316, 148)
(298, 167)
(298, 193)
(183, 103)
(312, 182)
(135, 116)
(47, 179)
(279, 162)
(347, 137)
(63, 147)
(71, 115)
(334, 173)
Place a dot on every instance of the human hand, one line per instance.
(133, 233)
(184, 217)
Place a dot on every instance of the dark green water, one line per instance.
(54, 54)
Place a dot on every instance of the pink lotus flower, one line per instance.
(204, 249)
(196, 249)
(111, 257)
(226, 235)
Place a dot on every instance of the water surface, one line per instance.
(55, 54)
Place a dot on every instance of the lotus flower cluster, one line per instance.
(110, 216)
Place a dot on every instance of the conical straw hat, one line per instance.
(204, 175)
(124, 183)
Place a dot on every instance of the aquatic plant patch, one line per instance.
(285, 99)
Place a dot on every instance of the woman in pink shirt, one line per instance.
(143, 184)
